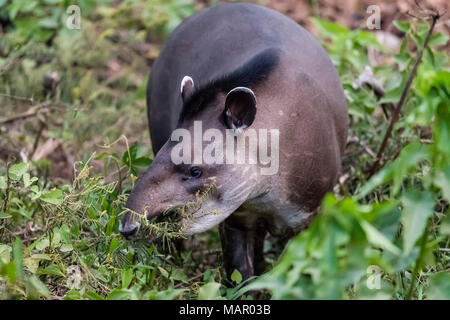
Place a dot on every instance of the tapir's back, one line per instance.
(215, 41)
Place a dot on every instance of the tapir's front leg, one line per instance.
(242, 245)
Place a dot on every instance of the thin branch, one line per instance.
(435, 17)
(29, 113)
(30, 100)
(42, 126)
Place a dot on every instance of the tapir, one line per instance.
(242, 67)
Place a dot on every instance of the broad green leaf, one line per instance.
(27, 181)
(66, 247)
(418, 207)
(17, 170)
(209, 291)
(43, 244)
(3, 183)
(35, 288)
(18, 258)
(396, 171)
(236, 276)
(113, 245)
(53, 270)
(127, 276)
(402, 25)
(54, 196)
(142, 161)
(438, 39)
(442, 180)
(164, 273)
(94, 295)
(41, 256)
(439, 287)
(378, 239)
(119, 294)
(330, 29)
(169, 294)
(31, 264)
(178, 275)
(73, 295)
(5, 253)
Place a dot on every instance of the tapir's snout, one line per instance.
(135, 206)
(127, 227)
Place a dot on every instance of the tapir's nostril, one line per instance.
(128, 230)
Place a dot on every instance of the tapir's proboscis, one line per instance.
(237, 68)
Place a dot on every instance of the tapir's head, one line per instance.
(188, 169)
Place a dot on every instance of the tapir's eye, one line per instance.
(196, 172)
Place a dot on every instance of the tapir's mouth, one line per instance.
(166, 224)
(174, 221)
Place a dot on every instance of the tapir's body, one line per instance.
(301, 96)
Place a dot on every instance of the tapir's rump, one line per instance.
(244, 66)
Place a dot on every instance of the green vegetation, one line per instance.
(86, 88)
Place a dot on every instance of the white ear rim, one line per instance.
(185, 80)
(248, 90)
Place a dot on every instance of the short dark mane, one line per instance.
(248, 75)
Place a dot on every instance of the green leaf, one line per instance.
(402, 25)
(18, 258)
(54, 196)
(330, 29)
(169, 294)
(392, 96)
(164, 273)
(127, 276)
(439, 287)
(418, 207)
(53, 270)
(5, 253)
(66, 247)
(119, 294)
(94, 295)
(209, 291)
(41, 256)
(27, 181)
(129, 156)
(3, 183)
(236, 276)
(17, 170)
(378, 239)
(143, 161)
(438, 39)
(102, 155)
(408, 159)
(35, 288)
(178, 275)
(43, 244)
(442, 180)
(73, 295)
(113, 245)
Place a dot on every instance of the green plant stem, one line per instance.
(418, 261)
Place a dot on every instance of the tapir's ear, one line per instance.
(187, 88)
(240, 108)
